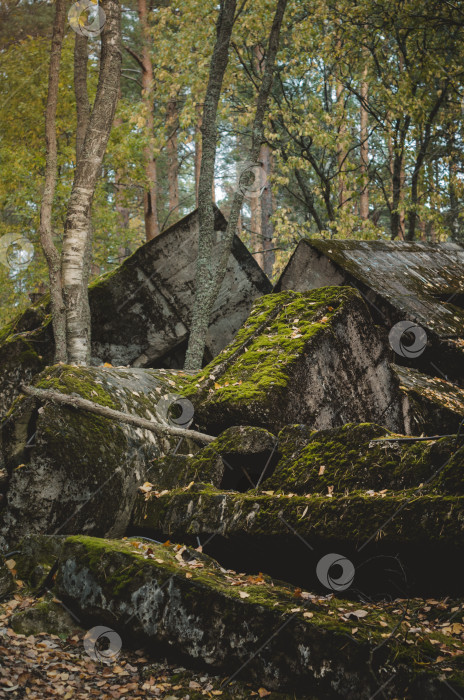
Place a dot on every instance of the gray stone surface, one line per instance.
(73, 471)
(141, 311)
(419, 282)
(312, 358)
(182, 604)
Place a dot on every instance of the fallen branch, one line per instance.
(86, 405)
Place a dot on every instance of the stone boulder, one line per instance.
(73, 471)
(180, 603)
(355, 489)
(311, 358)
(419, 282)
(7, 584)
(239, 458)
(141, 311)
(432, 405)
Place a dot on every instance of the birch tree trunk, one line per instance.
(81, 57)
(51, 253)
(83, 189)
(209, 276)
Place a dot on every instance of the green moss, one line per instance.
(355, 518)
(69, 379)
(258, 364)
(350, 458)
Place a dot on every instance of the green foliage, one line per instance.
(410, 57)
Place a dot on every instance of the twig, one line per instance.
(86, 405)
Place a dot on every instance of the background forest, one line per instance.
(364, 135)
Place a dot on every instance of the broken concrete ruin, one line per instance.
(168, 597)
(311, 358)
(419, 282)
(141, 311)
(73, 471)
(312, 456)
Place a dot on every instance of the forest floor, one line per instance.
(48, 666)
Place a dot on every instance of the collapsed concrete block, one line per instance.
(239, 458)
(432, 405)
(419, 282)
(141, 311)
(73, 471)
(311, 358)
(354, 489)
(179, 602)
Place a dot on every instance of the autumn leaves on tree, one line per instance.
(362, 135)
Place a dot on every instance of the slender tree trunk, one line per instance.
(81, 57)
(209, 276)
(198, 152)
(150, 202)
(173, 163)
(83, 189)
(256, 230)
(364, 198)
(52, 255)
(340, 154)
(267, 210)
(205, 264)
(422, 152)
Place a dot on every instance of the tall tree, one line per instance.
(209, 274)
(364, 147)
(83, 188)
(52, 255)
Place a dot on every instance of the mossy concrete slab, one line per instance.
(73, 471)
(181, 603)
(313, 358)
(238, 458)
(402, 280)
(141, 311)
(434, 405)
(398, 541)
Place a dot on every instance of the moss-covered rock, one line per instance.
(7, 584)
(73, 471)
(356, 457)
(433, 405)
(183, 604)
(45, 616)
(313, 358)
(237, 459)
(140, 311)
